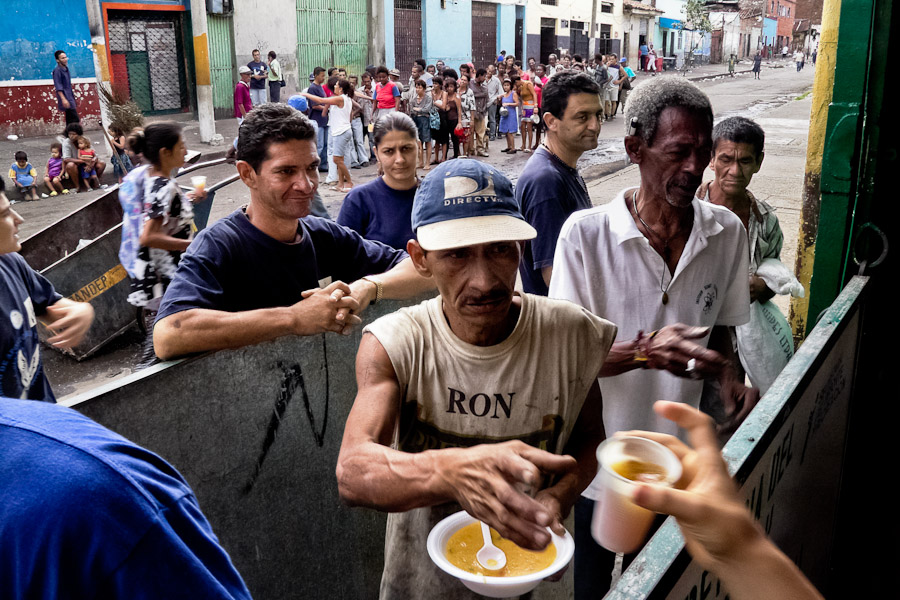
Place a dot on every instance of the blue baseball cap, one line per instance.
(299, 102)
(465, 202)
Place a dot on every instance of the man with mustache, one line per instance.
(652, 260)
(470, 398)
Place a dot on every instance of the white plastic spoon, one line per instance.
(490, 556)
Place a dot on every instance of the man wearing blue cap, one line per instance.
(470, 398)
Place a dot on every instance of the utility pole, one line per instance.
(205, 111)
(592, 47)
(101, 65)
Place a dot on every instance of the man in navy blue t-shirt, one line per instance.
(25, 297)
(550, 187)
(269, 269)
(84, 513)
(260, 72)
(319, 114)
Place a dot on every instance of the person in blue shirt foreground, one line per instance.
(26, 297)
(84, 513)
(268, 269)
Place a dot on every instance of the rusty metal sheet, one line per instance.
(93, 274)
(256, 433)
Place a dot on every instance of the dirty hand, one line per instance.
(326, 309)
(486, 481)
(673, 349)
(68, 321)
(738, 400)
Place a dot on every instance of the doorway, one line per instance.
(548, 39)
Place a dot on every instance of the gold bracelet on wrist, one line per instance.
(379, 288)
(642, 348)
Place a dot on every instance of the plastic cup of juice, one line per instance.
(199, 182)
(618, 524)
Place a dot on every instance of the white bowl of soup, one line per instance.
(452, 545)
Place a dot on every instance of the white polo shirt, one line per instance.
(605, 264)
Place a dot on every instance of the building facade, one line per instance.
(146, 52)
(641, 21)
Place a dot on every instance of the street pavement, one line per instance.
(779, 102)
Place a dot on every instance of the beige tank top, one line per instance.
(530, 387)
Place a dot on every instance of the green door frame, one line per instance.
(846, 156)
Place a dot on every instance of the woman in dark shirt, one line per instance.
(381, 209)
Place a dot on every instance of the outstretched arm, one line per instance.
(201, 330)
(719, 531)
(482, 479)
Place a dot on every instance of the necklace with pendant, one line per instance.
(666, 250)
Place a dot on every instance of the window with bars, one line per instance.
(549, 2)
(606, 7)
(605, 31)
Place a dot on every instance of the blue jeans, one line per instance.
(322, 147)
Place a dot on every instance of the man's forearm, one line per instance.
(621, 359)
(375, 476)
(403, 281)
(761, 570)
(202, 330)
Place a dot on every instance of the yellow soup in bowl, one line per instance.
(467, 541)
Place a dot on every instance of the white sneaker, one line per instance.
(44, 196)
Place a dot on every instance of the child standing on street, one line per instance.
(23, 175)
(87, 154)
(121, 163)
(54, 170)
(509, 121)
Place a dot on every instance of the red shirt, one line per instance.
(386, 95)
(241, 98)
(539, 83)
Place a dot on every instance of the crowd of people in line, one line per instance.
(638, 299)
(462, 109)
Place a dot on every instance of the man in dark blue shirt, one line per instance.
(84, 513)
(260, 72)
(550, 187)
(269, 269)
(62, 87)
(319, 114)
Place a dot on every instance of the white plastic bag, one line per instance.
(779, 278)
(765, 344)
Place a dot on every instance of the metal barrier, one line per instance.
(91, 273)
(256, 432)
(57, 241)
(787, 458)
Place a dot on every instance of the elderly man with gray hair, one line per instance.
(670, 271)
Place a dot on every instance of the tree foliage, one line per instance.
(696, 17)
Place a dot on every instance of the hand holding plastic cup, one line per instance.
(620, 525)
(199, 182)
